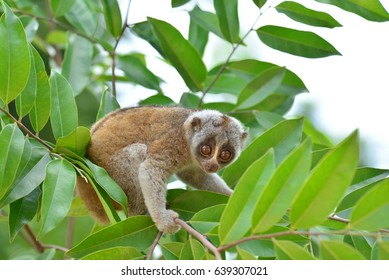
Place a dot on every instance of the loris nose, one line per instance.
(211, 167)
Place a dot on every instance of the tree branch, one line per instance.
(25, 129)
(200, 237)
(38, 246)
(155, 243)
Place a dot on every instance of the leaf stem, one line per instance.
(200, 237)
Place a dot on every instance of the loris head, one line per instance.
(215, 139)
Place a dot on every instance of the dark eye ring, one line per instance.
(225, 155)
(206, 150)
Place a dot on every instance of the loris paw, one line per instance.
(165, 222)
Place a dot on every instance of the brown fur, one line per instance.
(142, 147)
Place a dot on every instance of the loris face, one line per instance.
(216, 140)
(213, 156)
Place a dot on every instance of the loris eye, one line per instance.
(205, 150)
(225, 156)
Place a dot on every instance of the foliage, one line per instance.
(297, 196)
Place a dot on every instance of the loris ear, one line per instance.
(196, 124)
(244, 136)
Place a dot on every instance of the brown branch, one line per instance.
(38, 246)
(199, 237)
(155, 243)
(26, 130)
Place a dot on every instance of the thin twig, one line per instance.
(38, 246)
(155, 243)
(113, 52)
(224, 66)
(56, 247)
(26, 130)
(200, 237)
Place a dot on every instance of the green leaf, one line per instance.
(64, 115)
(227, 14)
(181, 54)
(361, 243)
(244, 255)
(189, 100)
(172, 251)
(137, 71)
(177, 3)
(226, 82)
(22, 211)
(287, 250)
(57, 194)
(260, 3)
(285, 183)
(365, 179)
(219, 106)
(371, 10)
(335, 250)
(326, 184)
(77, 62)
(137, 231)
(206, 20)
(113, 17)
(108, 103)
(198, 36)
(317, 136)
(40, 112)
(26, 100)
(260, 88)
(383, 251)
(296, 42)
(11, 151)
(192, 250)
(83, 17)
(116, 253)
(283, 138)
(109, 185)
(248, 69)
(371, 211)
(14, 56)
(30, 178)
(77, 141)
(144, 30)
(158, 99)
(236, 219)
(206, 219)
(190, 202)
(61, 7)
(302, 14)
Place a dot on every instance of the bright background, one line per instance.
(347, 92)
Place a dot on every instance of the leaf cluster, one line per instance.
(296, 195)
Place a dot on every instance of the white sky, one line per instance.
(347, 92)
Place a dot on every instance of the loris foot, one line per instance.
(165, 222)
